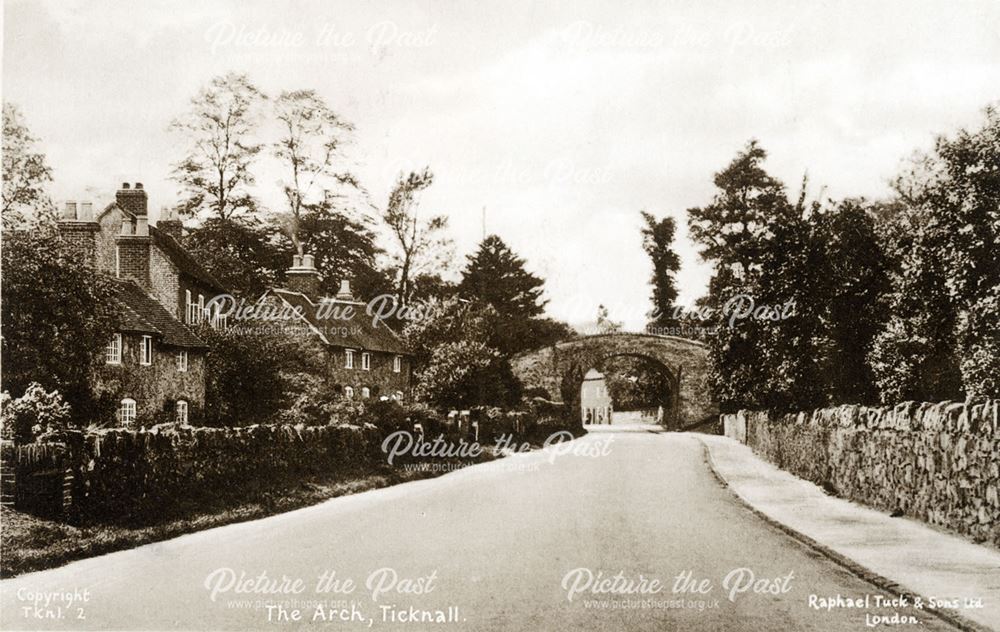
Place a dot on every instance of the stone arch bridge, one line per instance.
(559, 370)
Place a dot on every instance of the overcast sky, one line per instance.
(563, 119)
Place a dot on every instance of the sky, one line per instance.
(561, 119)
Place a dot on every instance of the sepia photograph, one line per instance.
(430, 315)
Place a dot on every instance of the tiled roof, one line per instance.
(358, 332)
(144, 314)
(183, 259)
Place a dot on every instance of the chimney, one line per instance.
(303, 276)
(170, 223)
(132, 200)
(344, 294)
(79, 230)
(132, 245)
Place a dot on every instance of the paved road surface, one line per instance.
(499, 543)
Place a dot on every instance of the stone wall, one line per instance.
(939, 463)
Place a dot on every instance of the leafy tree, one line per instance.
(421, 246)
(344, 248)
(244, 379)
(216, 171)
(464, 373)
(444, 321)
(635, 383)
(310, 148)
(54, 332)
(25, 172)
(240, 253)
(658, 242)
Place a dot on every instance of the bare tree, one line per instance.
(216, 171)
(310, 146)
(420, 244)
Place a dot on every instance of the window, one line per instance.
(127, 412)
(365, 392)
(118, 262)
(201, 308)
(366, 361)
(182, 411)
(349, 392)
(188, 308)
(146, 357)
(348, 359)
(397, 364)
(182, 361)
(113, 354)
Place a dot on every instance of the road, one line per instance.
(496, 541)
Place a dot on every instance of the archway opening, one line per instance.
(624, 389)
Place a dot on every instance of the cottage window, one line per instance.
(146, 357)
(348, 359)
(397, 364)
(365, 392)
(127, 411)
(113, 354)
(201, 308)
(188, 308)
(182, 411)
(349, 392)
(366, 361)
(182, 361)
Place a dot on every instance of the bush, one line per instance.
(33, 414)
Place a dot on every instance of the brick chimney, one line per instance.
(132, 244)
(79, 230)
(170, 223)
(132, 200)
(303, 276)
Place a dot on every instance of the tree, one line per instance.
(310, 148)
(496, 276)
(344, 247)
(464, 373)
(215, 172)
(54, 332)
(25, 172)
(658, 242)
(244, 382)
(240, 253)
(421, 246)
(447, 320)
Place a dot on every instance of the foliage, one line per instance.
(447, 321)
(420, 246)
(462, 374)
(658, 242)
(635, 383)
(215, 172)
(310, 149)
(33, 413)
(239, 252)
(25, 172)
(54, 332)
(344, 247)
(244, 383)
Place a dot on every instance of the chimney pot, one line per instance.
(297, 261)
(344, 294)
(138, 185)
(70, 211)
(126, 226)
(86, 212)
(142, 226)
(307, 261)
(126, 185)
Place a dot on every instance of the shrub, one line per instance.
(33, 414)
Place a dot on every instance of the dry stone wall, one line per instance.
(939, 463)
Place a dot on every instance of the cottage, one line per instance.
(358, 358)
(155, 366)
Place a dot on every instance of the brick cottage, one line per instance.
(155, 366)
(357, 359)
